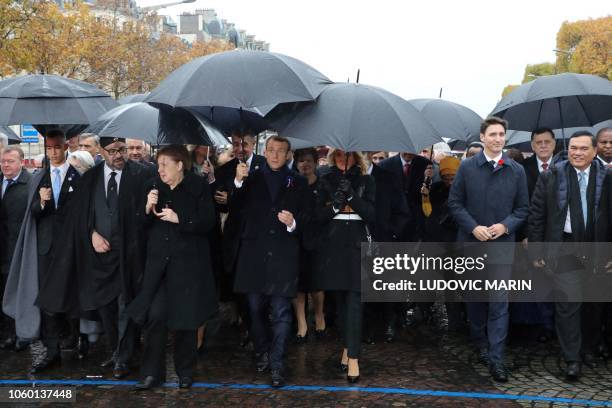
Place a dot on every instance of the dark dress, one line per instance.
(308, 241)
(178, 259)
(339, 247)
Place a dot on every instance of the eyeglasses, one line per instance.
(113, 152)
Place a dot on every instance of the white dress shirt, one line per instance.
(540, 162)
(568, 219)
(495, 159)
(63, 170)
(5, 182)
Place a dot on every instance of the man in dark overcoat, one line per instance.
(109, 248)
(13, 202)
(273, 201)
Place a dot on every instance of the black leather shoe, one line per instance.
(352, 378)
(483, 357)
(83, 346)
(263, 362)
(390, 334)
(369, 339)
(573, 371)
(590, 360)
(21, 345)
(343, 367)
(108, 363)
(185, 382)
(147, 384)
(121, 370)
(545, 336)
(604, 351)
(301, 339)
(69, 343)
(320, 334)
(46, 363)
(7, 343)
(277, 379)
(498, 372)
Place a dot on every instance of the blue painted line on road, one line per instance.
(373, 390)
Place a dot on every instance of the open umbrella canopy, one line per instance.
(450, 119)
(356, 117)
(182, 126)
(133, 98)
(51, 99)
(557, 102)
(521, 139)
(142, 121)
(232, 119)
(240, 79)
(13, 138)
(68, 130)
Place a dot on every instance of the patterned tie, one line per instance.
(544, 166)
(582, 183)
(112, 197)
(56, 184)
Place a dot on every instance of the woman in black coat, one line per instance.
(178, 289)
(344, 207)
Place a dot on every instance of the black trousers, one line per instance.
(7, 324)
(155, 339)
(350, 311)
(119, 331)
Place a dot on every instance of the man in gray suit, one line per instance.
(489, 201)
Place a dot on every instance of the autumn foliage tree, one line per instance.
(120, 56)
(583, 47)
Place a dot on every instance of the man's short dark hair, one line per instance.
(583, 133)
(492, 120)
(56, 133)
(541, 130)
(14, 149)
(279, 139)
(602, 131)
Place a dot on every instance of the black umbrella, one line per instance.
(232, 119)
(240, 79)
(450, 119)
(521, 139)
(69, 131)
(13, 138)
(133, 98)
(142, 121)
(355, 117)
(51, 100)
(557, 102)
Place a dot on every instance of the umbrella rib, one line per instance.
(584, 110)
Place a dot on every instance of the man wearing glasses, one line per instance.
(109, 251)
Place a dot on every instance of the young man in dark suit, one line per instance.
(489, 202)
(273, 201)
(56, 185)
(13, 202)
(571, 204)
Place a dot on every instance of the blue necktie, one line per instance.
(9, 182)
(582, 183)
(56, 184)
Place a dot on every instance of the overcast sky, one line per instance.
(471, 49)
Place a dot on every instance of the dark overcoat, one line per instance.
(12, 210)
(268, 259)
(178, 257)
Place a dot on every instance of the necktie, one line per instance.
(111, 192)
(406, 169)
(56, 185)
(582, 183)
(492, 163)
(544, 166)
(9, 182)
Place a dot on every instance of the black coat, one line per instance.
(224, 181)
(338, 256)
(268, 259)
(411, 186)
(440, 225)
(178, 258)
(392, 213)
(12, 210)
(550, 203)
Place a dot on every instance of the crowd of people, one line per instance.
(105, 240)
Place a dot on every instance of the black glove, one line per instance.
(345, 187)
(339, 200)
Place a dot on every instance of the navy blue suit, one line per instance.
(483, 195)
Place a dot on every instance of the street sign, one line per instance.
(29, 134)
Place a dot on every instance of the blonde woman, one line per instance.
(344, 207)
